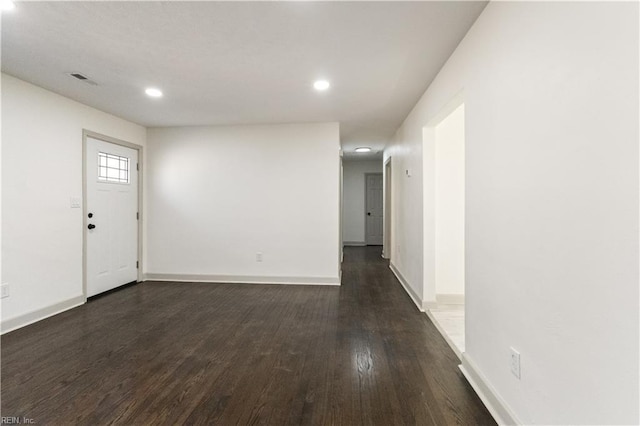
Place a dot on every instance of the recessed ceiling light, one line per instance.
(321, 85)
(153, 92)
(363, 149)
(7, 5)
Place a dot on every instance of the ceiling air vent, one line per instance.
(82, 78)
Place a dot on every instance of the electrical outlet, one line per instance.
(259, 257)
(515, 363)
(4, 291)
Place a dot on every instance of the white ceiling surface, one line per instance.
(223, 63)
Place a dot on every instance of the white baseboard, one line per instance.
(240, 279)
(444, 334)
(498, 408)
(429, 304)
(354, 243)
(407, 287)
(450, 299)
(40, 314)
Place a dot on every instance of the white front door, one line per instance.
(374, 218)
(112, 215)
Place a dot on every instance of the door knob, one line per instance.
(91, 226)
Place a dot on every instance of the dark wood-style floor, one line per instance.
(170, 353)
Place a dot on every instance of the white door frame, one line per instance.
(341, 217)
(428, 200)
(366, 204)
(386, 209)
(89, 134)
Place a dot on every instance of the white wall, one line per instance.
(219, 195)
(404, 154)
(1, 280)
(41, 170)
(551, 110)
(354, 199)
(449, 204)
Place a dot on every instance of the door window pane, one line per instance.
(113, 168)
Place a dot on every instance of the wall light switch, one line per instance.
(76, 202)
(515, 363)
(258, 257)
(4, 291)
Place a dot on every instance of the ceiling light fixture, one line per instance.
(7, 5)
(153, 92)
(363, 149)
(321, 85)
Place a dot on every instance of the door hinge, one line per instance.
(138, 166)
(137, 264)
(138, 215)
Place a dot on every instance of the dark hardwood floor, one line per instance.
(170, 353)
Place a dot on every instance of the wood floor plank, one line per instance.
(241, 354)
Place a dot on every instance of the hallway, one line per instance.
(197, 353)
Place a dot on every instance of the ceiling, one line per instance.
(221, 63)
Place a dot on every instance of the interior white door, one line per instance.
(112, 215)
(374, 218)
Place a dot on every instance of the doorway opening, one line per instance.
(448, 138)
(374, 211)
(112, 211)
